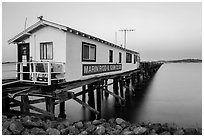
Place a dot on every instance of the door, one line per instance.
(23, 56)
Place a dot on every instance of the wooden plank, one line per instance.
(37, 101)
(79, 83)
(86, 105)
(116, 96)
(35, 108)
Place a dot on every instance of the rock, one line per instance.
(6, 132)
(165, 133)
(157, 127)
(115, 132)
(109, 130)
(16, 127)
(66, 123)
(6, 124)
(73, 130)
(113, 125)
(60, 127)
(127, 133)
(153, 133)
(100, 130)
(119, 121)
(53, 131)
(4, 118)
(26, 132)
(139, 130)
(90, 129)
(106, 125)
(199, 131)
(78, 125)
(112, 120)
(14, 118)
(102, 120)
(125, 124)
(87, 124)
(96, 122)
(179, 132)
(171, 127)
(190, 131)
(84, 133)
(26, 119)
(65, 131)
(118, 127)
(37, 131)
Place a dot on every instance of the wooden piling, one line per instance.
(91, 100)
(50, 107)
(98, 97)
(25, 100)
(127, 84)
(115, 88)
(106, 88)
(62, 110)
(121, 84)
(84, 94)
(5, 103)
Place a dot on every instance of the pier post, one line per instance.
(138, 77)
(84, 94)
(133, 83)
(62, 110)
(115, 88)
(91, 100)
(106, 87)
(24, 100)
(127, 84)
(5, 103)
(50, 107)
(98, 97)
(121, 83)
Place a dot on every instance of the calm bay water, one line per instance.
(173, 95)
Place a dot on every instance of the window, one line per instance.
(135, 59)
(110, 56)
(46, 50)
(128, 58)
(88, 52)
(120, 57)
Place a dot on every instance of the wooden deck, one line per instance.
(57, 94)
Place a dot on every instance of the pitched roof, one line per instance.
(43, 23)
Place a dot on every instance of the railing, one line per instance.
(41, 72)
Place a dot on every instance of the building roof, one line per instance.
(43, 23)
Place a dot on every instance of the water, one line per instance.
(173, 95)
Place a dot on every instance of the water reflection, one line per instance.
(173, 95)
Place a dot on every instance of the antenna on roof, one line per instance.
(25, 23)
(125, 35)
(40, 17)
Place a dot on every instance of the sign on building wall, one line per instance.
(89, 69)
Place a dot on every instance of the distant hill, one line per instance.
(182, 61)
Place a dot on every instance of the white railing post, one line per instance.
(21, 71)
(49, 73)
(34, 72)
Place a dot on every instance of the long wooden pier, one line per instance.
(58, 94)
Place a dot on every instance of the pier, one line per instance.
(123, 84)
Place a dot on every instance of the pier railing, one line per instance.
(41, 72)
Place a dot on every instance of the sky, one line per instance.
(163, 31)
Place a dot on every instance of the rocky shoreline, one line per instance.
(31, 125)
